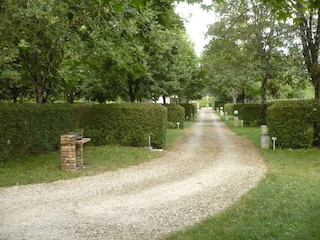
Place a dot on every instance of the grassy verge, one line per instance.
(46, 168)
(284, 206)
(174, 135)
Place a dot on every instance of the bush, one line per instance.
(189, 109)
(34, 128)
(127, 124)
(194, 109)
(291, 122)
(252, 114)
(239, 107)
(218, 104)
(176, 113)
(228, 107)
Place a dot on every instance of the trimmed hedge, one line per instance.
(218, 104)
(176, 113)
(34, 128)
(228, 107)
(291, 122)
(189, 109)
(239, 107)
(250, 113)
(127, 124)
(194, 109)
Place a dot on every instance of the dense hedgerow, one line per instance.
(228, 108)
(127, 124)
(189, 109)
(37, 128)
(291, 122)
(34, 128)
(176, 114)
(218, 104)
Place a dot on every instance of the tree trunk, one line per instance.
(310, 39)
(234, 94)
(133, 89)
(39, 89)
(164, 99)
(264, 84)
(316, 125)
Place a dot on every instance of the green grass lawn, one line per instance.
(46, 168)
(284, 206)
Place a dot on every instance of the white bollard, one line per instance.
(274, 143)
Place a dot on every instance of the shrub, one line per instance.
(292, 123)
(34, 128)
(252, 114)
(189, 109)
(127, 124)
(218, 104)
(228, 107)
(239, 107)
(176, 113)
(194, 109)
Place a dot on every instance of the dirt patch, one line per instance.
(207, 172)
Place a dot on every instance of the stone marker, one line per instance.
(264, 136)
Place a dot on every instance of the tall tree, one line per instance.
(306, 15)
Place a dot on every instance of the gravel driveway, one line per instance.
(207, 172)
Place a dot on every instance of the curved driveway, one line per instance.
(207, 172)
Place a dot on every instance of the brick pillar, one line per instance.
(79, 154)
(68, 153)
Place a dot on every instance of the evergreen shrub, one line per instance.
(189, 109)
(239, 107)
(127, 124)
(176, 113)
(218, 104)
(291, 122)
(28, 129)
(251, 114)
(228, 107)
(34, 128)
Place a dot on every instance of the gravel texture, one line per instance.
(207, 172)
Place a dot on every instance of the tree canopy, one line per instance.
(95, 50)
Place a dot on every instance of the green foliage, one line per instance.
(95, 50)
(33, 128)
(291, 122)
(228, 107)
(127, 124)
(190, 109)
(252, 114)
(206, 102)
(239, 107)
(218, 104)
(176, 113)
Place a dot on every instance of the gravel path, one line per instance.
(203, 175)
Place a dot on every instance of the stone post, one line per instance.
(236, 118)
(264, 136)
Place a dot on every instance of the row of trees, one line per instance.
(95, 50)
(272, 43)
